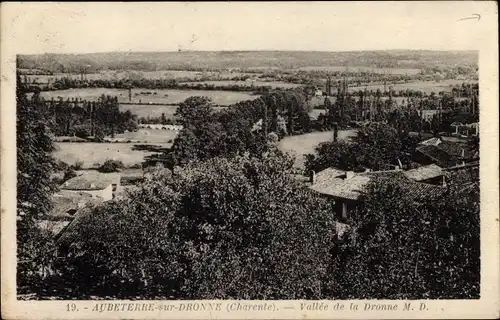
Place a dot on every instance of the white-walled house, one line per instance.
(92, 183)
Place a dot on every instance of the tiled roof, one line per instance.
(353, 187)
(455, 149)
(415, 191)
(65, 201)
(424, 173)
(91, 180)
(441, 157)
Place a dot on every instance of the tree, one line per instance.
(376, 146)
(194, 110)
(35, 187)
(337, 154)
(224, 229)
(111, 166)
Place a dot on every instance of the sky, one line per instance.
(308, 26)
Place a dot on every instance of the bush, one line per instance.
(111, 166)
(68, 174)
(78, 165)
(222, 229)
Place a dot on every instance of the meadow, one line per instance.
(96, 153)
(166, 96)
(152, 136)
(303, 144)
(256, 83)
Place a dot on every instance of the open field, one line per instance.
(149, 136)
(257, 83)
(316, 112)
(395, 71)
(426, 86)
(305, 143)
(91, 153)
(167, 96)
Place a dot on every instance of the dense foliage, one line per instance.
(421, 249)
(376, 146)
(85, 118)
(223, 229)
(35, 165)
(207, 133)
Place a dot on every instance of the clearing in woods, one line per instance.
(91, 153)
(303, 144)
(167, 96)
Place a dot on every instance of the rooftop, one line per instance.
(438, 155)
(67, 203)
(351, 186)
(424, 173)
(91, 180)
(456, 149)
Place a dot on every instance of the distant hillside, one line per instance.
(211, 60)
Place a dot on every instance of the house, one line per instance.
(432, 174)
(432, 154)
(131, 176)
(67, 203)
(465, 130)
(66, 206)
(94, 183)
(318, 93)
(347, 188)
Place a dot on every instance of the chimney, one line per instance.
(312, 177)
(349, 174)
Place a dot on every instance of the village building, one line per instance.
(444, 153)
(94, 183)
(347, 188)
(432, 174)
(465, 130)
(66, 206)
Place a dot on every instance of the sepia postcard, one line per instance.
(248, 160)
